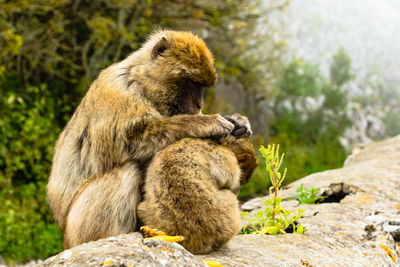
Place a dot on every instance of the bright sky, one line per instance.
(369, 30)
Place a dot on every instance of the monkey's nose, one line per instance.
(199, 104)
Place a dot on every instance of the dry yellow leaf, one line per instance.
(213, 263)
(167, 238)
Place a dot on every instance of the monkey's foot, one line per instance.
(150, 233)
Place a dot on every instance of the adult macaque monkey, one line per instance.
(132, 110)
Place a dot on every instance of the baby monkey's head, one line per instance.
(244, 151)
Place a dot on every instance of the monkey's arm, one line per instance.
(147, 137)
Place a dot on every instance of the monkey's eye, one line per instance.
(195, 83)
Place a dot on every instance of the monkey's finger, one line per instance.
(248, 133)
(149, 232)
(234, 122)
(240, 132)
(239, 121)
(167, 238)
(226, 125)
(213, 263)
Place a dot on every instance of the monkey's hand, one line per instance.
(217, 126)
(242, 125)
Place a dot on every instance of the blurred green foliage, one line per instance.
(27, 135)
(51, 50)
(392, 121)
(310, 114)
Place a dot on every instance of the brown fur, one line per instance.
(132, 110)
(202, 178)
(242, 148)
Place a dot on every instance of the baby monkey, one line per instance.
(191, 190)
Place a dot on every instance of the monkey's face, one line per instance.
(189, 97)
(183, 67)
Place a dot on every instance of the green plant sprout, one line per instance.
(307, 195)
(273, 219)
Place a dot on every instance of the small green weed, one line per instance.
(307, 195)
(273, 219)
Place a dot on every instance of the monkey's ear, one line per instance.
(244, 159)
(159, 48)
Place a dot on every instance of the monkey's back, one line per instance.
(188, 192)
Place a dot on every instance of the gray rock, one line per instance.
(393, 227)
(125, 250)
(376, 219)
(252, 204)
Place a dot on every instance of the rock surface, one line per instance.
(356, 225)
(125, 250)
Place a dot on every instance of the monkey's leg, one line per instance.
(105, 207)
(224, 169)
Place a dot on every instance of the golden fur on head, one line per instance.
(159, 70)
(188, 50)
